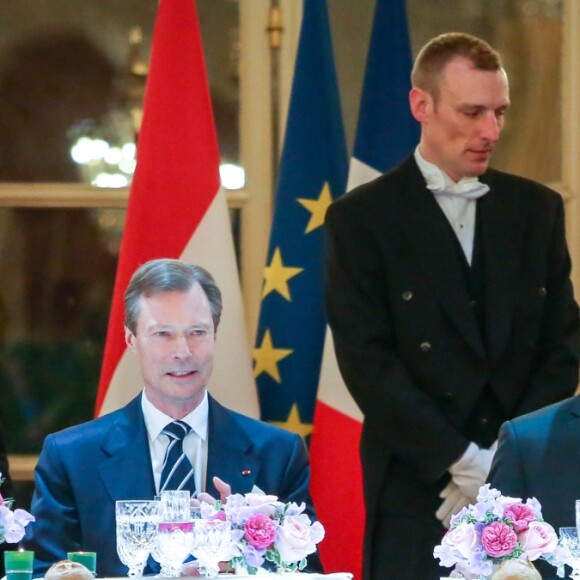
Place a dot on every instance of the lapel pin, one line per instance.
(246, 471)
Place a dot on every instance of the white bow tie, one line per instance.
(441, 184)
(466, 188)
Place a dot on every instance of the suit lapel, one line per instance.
(127, 473)
(502, 219)
(427, 231)
(230, 451)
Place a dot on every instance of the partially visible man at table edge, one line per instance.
(172, 314)
(537, 456)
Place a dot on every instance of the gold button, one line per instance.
(542, 292)
(407, 295)
(425, 346)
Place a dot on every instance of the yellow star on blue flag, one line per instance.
(276, 276)
(294, 423)
(267, 357)
(317, 208)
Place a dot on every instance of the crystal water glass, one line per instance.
(136, 522)
(175, 533)
(571, 543)
(212, 544)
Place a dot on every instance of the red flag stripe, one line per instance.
(336, 501)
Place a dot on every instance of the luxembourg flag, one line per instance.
(177, 209)
(386, 134)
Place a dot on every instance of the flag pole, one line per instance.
(275, 31)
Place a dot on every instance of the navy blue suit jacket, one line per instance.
(83, 470)
(537, 456)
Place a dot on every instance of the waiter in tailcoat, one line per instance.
(451, 307)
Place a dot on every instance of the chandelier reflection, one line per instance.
(103, 163)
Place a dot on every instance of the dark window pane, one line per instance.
(57, 270)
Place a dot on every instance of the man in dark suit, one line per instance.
(451, 307)
(536, 457)
(172, 314)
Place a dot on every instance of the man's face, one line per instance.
(175, 343)
(460, 131)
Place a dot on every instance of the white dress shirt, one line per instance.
(456, 200)
(194, 444)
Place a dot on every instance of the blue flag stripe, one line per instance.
(386, 131)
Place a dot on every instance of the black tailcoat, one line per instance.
(408, 341)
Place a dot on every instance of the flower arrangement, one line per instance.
(495, 530)
(265, 529)
(12, 523)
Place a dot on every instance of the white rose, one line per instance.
(297, 537)
(264, 504)
(461, 540)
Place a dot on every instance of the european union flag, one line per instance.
(313, 172)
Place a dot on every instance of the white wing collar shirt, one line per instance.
(456, 200)
(194, 444)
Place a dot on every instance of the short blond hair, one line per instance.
(439, 51)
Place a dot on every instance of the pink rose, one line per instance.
(260, 531)
(297, 537)
(540, 538)
(461, 539)
(520, 515)
(498, 539)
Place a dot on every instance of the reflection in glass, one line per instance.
(57, 270)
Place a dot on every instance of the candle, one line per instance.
(87, 559)
(18, 564)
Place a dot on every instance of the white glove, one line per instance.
(470, 472)
(453, 502)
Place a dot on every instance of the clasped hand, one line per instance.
(467, 476)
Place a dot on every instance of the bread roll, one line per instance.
(68, 570)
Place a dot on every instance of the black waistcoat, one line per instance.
(484, 421)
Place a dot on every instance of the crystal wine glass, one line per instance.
(212, 544)
(137, 522)
(175, 533)
(571, 543)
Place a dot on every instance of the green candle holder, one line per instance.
(18, 564)
(87, 559)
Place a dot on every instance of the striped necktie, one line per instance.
(177, 471)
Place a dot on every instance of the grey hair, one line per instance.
(167, 275)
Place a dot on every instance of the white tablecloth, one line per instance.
(297, 576)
